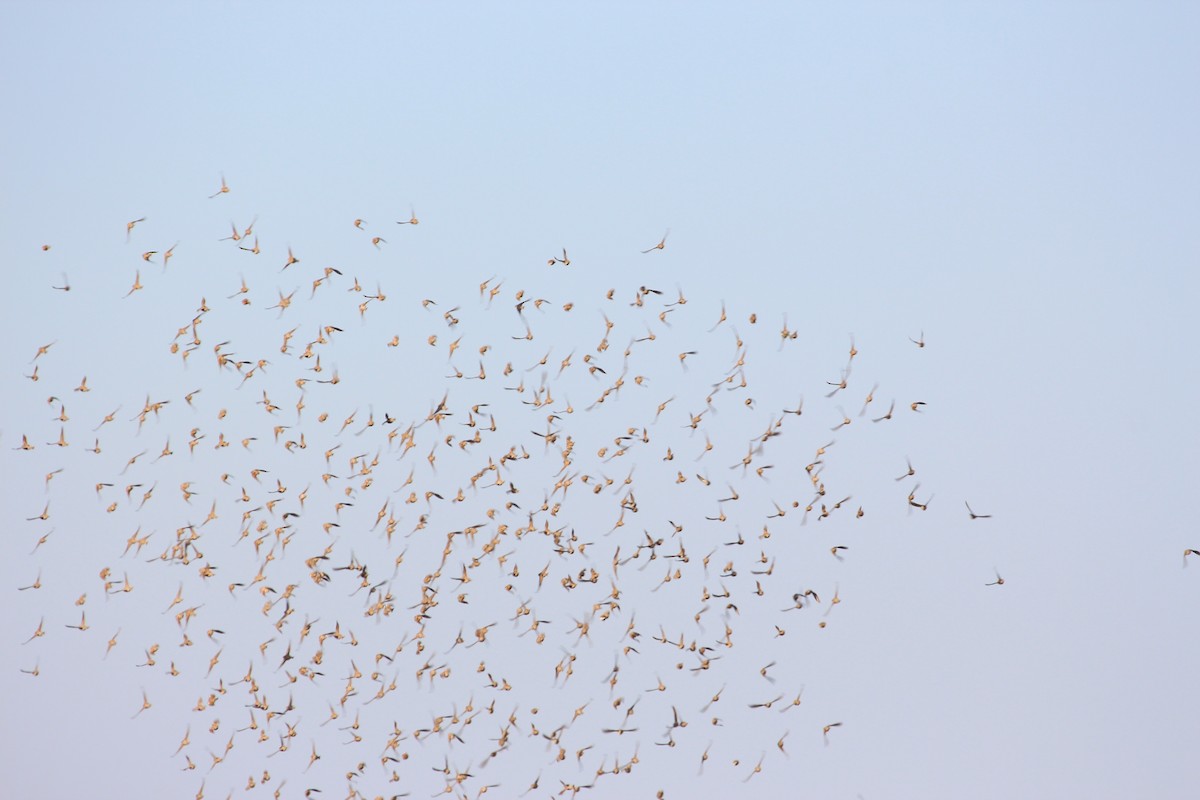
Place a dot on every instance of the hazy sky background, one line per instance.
(1017, 182)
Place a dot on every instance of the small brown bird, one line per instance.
(145, 705)
(40, 632)
(129, 227)
(223, 190)
(662, 243)
(41, 351)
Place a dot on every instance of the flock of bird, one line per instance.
(580, 542)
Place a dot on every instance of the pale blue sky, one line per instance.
(1018, 182)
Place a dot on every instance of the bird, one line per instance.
(137, 283)
(662, 243)
(974, 515)
(144, 707)
(223, 190)
(42, 350)
(129, 227)
(37, 634)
